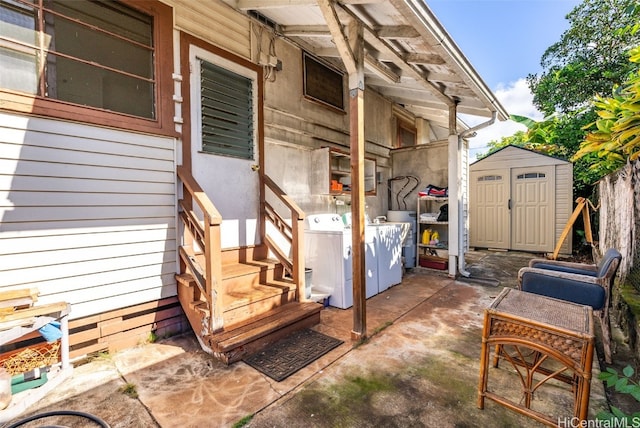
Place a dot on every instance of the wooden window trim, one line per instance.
(163, 124)
(402, 125)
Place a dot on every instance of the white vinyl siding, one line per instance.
(87, 214)
(564, 204)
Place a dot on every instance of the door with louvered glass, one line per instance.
(224, 141)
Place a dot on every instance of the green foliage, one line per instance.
(614, 137)
(558, 135)
(624, 384)
(130, 390)
(590, 57)
(242, 422)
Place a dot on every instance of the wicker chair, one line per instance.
(586, 284)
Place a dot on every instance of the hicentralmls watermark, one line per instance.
(595, 423)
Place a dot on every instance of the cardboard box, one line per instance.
(434, 262)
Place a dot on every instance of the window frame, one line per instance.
(187, 41)
(228, 65)
(318, 98)
(162, 16)
(405, 126)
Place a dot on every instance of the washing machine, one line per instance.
(389, 240)
(328, 254)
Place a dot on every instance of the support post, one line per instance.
(454, 192)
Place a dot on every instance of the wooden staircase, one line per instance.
(238, 301)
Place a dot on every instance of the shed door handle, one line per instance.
(509, 203)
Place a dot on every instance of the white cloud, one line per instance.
(516, 99)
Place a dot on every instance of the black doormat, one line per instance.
(287, 356)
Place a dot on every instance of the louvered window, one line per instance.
(227, 112)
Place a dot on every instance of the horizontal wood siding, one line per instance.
(214, 22)
(115, 330)
(87, 214)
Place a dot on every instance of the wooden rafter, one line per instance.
(340, 39)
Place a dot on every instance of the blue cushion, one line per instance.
(559, 288)
(568, 269)
(611, 255)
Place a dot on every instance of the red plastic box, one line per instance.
(434, 262)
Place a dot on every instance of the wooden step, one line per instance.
(243, 297)
(247, 337)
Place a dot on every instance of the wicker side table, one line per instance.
(543, 339)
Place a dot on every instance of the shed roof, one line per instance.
(510, 151)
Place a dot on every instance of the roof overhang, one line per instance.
(409, 57)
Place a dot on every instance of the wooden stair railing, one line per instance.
(293, 234)
(206, 236)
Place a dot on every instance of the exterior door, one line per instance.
(533, 207)
(224, 141)
(490, 219)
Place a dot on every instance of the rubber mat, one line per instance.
(292, 353)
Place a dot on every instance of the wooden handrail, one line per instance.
(293, 234)
(210, 212)
(295, 209)
(207, 237)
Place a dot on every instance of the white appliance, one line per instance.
(389, 240)
(328, 254)
(409, 244)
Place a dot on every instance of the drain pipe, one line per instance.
(470, 133)
(479, 126)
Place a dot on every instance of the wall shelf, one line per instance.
(331, 172)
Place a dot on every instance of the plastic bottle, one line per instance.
(5, 388)
(426, 236)
(435, 238)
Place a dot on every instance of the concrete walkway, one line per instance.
(419, 368)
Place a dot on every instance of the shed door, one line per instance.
(532, 206)
(489, 200)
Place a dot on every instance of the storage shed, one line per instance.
(520, 200)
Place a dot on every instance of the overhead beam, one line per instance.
(271, 4)
(339, 38)
(423, 58)
(274, 4)
(384, 32)
(411, 70)
(305, 30)
(396, 32)
(381, 69)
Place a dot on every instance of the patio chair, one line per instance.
(586, 284)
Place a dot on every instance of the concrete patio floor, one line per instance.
(419, 368)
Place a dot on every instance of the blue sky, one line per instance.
(504, 41)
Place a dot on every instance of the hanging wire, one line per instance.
(408, 179)
(417, 180)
